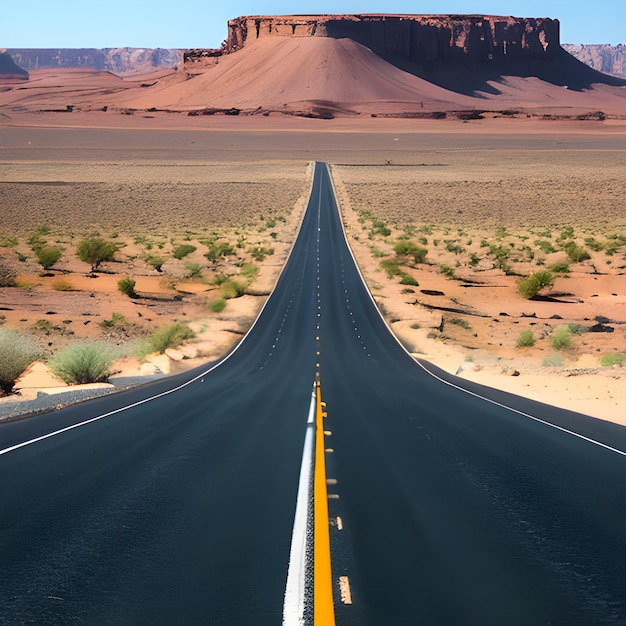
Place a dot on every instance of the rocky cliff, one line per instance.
(604, 58)
(117, 60)
(9, 69)
(464, 53)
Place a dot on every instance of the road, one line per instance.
(447, 505)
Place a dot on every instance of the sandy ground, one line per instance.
(477, 164)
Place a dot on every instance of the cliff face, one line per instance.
(9, 69)
(116, 60)
(604, 58)
(414, 38)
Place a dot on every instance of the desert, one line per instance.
(523, 177)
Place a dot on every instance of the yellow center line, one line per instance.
(324, 610)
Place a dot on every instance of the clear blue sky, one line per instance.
(202, 23)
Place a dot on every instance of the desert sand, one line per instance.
(75, 170)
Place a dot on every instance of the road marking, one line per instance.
(324, 614)
(344, 589)
(294, 602)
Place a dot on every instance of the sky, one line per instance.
(202, 23)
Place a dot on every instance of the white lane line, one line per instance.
(467, 391)
(294, 602)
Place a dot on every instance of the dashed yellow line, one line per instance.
(324, 610)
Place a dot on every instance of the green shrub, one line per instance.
(17, 352)
(183, 250)
(127, 287)
(218, 250)
(446, 270)
(169, 336)
(194, 270)
(233, 289)
(117, 319)
(560, 268)
(561, 338)
(545, 246)
(410, 248)
(407, 279)
(575, 253)
(217, 306)
(612, 358)
(390, 266)
(63, 284)
(95, 251)
(259, 253)
(8, 241)
(249, 271)
(526, 339)
(155, 261)
(594, 244)
(47, 256)
(84, 362)
(530, 286)
(457, 321)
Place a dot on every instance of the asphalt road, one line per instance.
(452, 509)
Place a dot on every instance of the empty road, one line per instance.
(175, 502)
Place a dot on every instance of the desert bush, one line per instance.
(183, 250)
(47, 256)
(84, 362)
(217, 306)
(233, 289)
(249, 271)
(561, 338)
(410, 248)
(117, 319)
(501, 255)
(8, 241)
(95, 251)
(594, 244)
(545, 246)
(155, 261)
(612, 358)
(62, 284)
(17, 352)
(259, 253)
(390, 267)
(560, 268)
(169, 336)
(407, 279)
(575, 253)
(218, 250)
(446, 270)
(530, 286)
(457, 321)
(576, 329)
(127, 287)
(194, 270)
(526, 339)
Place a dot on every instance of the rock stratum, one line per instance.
(602, 57)
(378, 65)
(9, 70)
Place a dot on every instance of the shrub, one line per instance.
(217, 306)
(545, 246)
(554, 360)
(8, 241)
(194, 270)
(62, 284)
(530, 286)
(233, 289)
(575, 253)
(47, 256)
(612, 358)
(446, 270)
(560, 268)
(407, 279)
(249, 271)
(183, 250)
(117, 319)
(457, 321)
(169, 336)
(259, 253)
(95, 250)
(155, 261)
(594, 244)
(390, 266)
(84, 362)
(219, 250)
(16, 354)
(561, 338)
(526, 339)
(127, 287)
(410, 248)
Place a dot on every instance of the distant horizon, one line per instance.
(158, 24)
